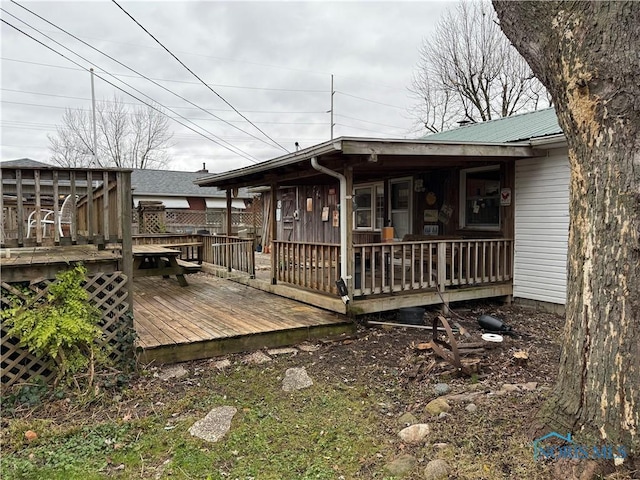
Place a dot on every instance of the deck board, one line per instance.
(213, 316)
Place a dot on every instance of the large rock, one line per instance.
(436, 470)
(441, 388)
(407, 419)
(296, 379)
(414, 433)
(172, 371)
(256, 358)
(401, 465)
(215, 425)
(437, 406)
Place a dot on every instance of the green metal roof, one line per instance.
(540, 123)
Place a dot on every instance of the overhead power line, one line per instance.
(369, 100)
(221, 85)
(196, 76)
(128, 68)
(139, 104)
(243, 154)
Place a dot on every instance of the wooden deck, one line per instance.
(214, 316)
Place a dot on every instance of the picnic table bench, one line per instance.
(155, 260)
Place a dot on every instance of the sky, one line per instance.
(270, 61)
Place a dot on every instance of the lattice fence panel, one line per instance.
(107, 291)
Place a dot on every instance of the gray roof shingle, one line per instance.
(174, 183)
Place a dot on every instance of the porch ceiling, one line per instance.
(375, 157)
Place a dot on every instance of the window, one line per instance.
(368, 207)
(480, 198)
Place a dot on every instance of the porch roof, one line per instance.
(368, 155)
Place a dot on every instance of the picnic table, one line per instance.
(153, 260)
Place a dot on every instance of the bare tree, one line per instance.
(468, 71)
(125, 139)
(586, 53)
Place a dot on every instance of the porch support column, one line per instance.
(274, 233)
(228, 242)
(348, 225)
(124, 186)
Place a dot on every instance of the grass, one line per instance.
(321, 432)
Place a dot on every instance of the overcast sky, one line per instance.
(272, 61)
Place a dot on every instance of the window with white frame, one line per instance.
(368, 207)
(480, 198)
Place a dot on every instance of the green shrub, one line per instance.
(63, 325)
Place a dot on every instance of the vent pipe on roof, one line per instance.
(204, 168)
(343, 219)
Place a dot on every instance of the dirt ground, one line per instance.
(400, 374)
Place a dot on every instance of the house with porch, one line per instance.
(402, 223)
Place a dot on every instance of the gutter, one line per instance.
(343, 224)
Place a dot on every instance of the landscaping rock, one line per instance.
(215, 425)
(282, 351)
(414, 433)
(509, 387)
(256, 358)
(441, 388)
(462, 397)
(440, 445)
(172, 371)
(222, 364)
(296, 379)
(530, 386)
(401, 465)
(471, 408)
(309, 348)
(443, 415)
(436, 470)
(407, 418)
(437, 406)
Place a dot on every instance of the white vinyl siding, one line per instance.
(541, 228)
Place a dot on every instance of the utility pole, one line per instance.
(95, 136)
(332, 94)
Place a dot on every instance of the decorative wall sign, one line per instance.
(430, 216)
(430, 230)
(505, 197)
(309, 204)
(445, 213)
(336, 218)
(431, 198)
(325, 214)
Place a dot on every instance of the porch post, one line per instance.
(274, 233)
(124, 179)
(228, 242)
(348, 173)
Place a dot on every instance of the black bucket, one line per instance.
(411, 315)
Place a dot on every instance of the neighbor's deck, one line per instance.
(213, 316)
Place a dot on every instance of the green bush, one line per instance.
(63, 326)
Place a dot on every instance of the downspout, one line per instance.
(343, 223)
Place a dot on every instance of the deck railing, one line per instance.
(385, 268)
(403, 266)
(235, 253)
(34, 211)
(311, 265)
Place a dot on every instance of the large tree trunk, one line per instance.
(586, 54)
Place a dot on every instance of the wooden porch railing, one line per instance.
(310, 265)
(385, 268)
(33, 208)
(403, 266)
(232, 252)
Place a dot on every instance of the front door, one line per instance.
(400, 206)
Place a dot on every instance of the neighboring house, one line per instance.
(541, 197)
(188, 207)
